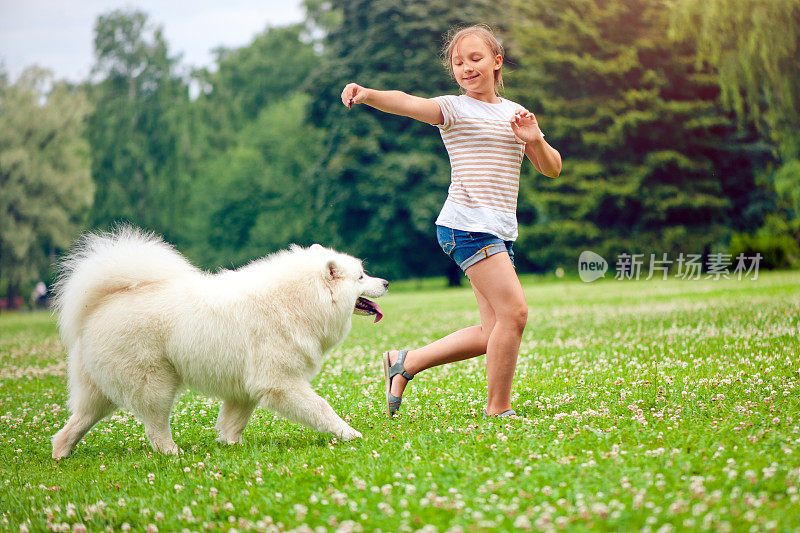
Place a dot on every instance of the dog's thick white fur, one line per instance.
(140, 322)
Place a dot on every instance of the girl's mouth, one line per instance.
(471, 77)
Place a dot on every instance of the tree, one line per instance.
(754, 47)
(45, 183)
(137, 129)
(271, 68)
(652, 163)
(382, 179)
(251, 199)
(250, 191)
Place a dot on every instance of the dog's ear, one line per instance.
(332, 270)
(317, 247)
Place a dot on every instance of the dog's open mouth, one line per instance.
(367, 307)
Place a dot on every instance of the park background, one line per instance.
(676, 120)
(660, 405)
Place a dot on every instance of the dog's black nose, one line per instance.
(385, 284)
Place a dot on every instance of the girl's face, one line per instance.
(474, 66)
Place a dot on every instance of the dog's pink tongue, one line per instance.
(378, 313)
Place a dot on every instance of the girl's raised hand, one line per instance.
(526, 127)
(353, 93)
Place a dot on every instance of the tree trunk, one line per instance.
(453, 275)
(704, 258)
(13, 293)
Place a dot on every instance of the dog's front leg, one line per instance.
(232, 419)
(297, 401)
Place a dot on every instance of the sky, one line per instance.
(58, 34)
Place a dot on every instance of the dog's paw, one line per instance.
(58, 455)
(60, 452)
(349, 434)
(167, 448)
(229, 441)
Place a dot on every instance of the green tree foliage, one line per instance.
(651, 161)
(45, 184)
(252, 199)
(382, 179)
(266, 154)
(137, 127)
(251, 195)
(754, 45)
(271, 68)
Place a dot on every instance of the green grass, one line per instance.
(648, 404)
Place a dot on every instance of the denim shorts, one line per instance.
(468, 247)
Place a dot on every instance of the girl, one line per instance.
(486, 137)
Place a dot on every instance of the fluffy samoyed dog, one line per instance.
(140, 322)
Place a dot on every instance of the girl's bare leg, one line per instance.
(502, 305)
(496, 279)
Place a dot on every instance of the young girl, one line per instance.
(486, 138)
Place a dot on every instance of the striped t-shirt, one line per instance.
(485, 159)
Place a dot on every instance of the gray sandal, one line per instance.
(389, 372)
(510, 412)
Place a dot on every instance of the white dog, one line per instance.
(140, 322)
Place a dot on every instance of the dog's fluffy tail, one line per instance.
(102, 264)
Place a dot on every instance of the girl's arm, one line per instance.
(544, 157)
(395, 102)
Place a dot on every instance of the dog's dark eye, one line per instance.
(362, 277)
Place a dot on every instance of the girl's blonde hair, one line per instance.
(483, 32)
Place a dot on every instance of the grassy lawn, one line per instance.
(650, 405)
